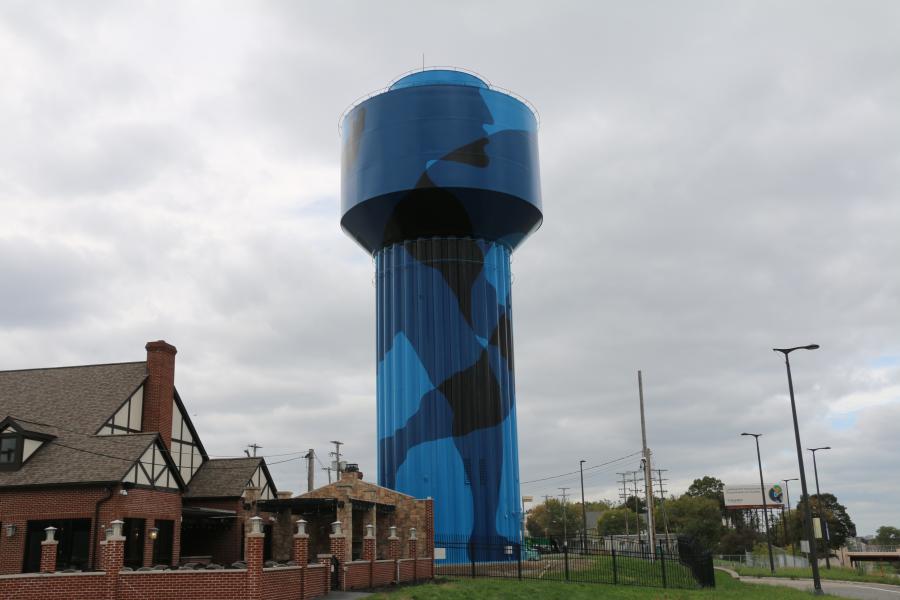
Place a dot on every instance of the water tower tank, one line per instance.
(440, 183)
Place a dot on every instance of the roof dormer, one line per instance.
(18, 443)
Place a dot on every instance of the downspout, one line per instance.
(95, 542)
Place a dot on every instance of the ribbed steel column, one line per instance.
(446, 391)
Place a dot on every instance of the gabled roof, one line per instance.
(225, 477)
(80, 459)
(77, 398)
(70, 404)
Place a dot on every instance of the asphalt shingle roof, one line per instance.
(222, 478)
(72, 403)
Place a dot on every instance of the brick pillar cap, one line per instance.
(48, 543)
(394, 537)
(301, 536)
(160, 346)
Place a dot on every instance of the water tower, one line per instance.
(440, 184)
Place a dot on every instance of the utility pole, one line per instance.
(329, 473)
(255, 447)
(648, 472)
(337, 456)
(310, 469)
(583, 509)
(625, 501)
(637, 507)
(565, 529)
(662, 502)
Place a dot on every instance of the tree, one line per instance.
(840, 526)
(708, 487)
(737, 541)
(547, 519)
(697, 517)
(612, 522)
(634, 503)
(887, 536)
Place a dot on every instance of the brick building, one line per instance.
(83, 446)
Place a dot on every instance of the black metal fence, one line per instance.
(583, 560)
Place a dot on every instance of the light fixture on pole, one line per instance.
(819, 506)
(807, 518)
(762, 490)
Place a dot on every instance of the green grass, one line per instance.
(503, 589)
(834, 573)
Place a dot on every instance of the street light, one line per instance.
(807, 518)
(762, 490)
(819, 506)
(787, 492)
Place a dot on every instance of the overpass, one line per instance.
(869, 553)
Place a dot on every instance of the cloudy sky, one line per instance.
(718, 179)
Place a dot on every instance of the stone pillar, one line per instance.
(253, 554)
(113, 552)
(48, 551)
(339, 550)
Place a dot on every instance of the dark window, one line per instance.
(9, 450)
(482, 469)
(162, 547)
(134, 543)
(74, 536)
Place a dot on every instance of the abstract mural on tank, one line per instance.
(440, 183)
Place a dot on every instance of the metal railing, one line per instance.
(580, 560)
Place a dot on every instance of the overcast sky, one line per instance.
(718, 179)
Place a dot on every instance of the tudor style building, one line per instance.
(83, 446)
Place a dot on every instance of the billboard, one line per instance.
(749, 496)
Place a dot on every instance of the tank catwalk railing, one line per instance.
(581, 560)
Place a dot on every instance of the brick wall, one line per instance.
(75, 586)
(20, 506)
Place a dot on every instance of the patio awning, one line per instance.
(207, 513)
(301, 505)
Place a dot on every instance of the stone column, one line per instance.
(253, 554)
(48, 551)
(113, 552)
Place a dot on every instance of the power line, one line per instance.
(587, 469)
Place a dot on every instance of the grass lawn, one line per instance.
(836, 573)
(501, 589)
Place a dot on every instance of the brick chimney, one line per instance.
(159, 391)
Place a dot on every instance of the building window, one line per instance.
(10, 455)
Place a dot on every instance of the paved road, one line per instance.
(862, 591)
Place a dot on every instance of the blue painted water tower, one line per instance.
(440, 183)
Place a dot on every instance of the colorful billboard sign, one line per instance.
(749, 496)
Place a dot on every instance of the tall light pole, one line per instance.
(819, 506)
(787, 492)
(762, 490)
(583, 509)
(807, 517)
